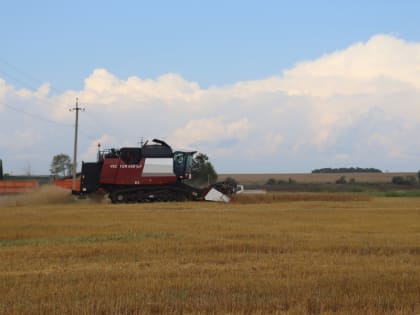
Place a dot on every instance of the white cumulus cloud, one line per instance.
(359, 106)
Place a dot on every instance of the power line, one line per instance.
(27, 75)
(97, 123)
(14, 78)
(87, 135)
(37, 116)
(26, 82)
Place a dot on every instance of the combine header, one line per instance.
(153, 172)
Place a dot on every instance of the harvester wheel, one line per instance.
(165, 196)
(180, 197)
(118, 197)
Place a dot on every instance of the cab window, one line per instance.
(130, 155)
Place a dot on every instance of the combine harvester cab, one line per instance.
(153, 172)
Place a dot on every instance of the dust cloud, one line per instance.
(45, 195)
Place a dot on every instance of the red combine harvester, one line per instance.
(153, 172)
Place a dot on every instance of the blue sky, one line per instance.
(211, 48)
(210, 42)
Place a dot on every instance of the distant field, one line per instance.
(315, 178)
(284, 254)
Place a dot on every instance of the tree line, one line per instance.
(329, 170)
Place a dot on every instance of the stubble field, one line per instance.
(293, 254)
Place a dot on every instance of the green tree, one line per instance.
(271, 181)
(61, 165)
(231, 181)
(202, 171)
(404, 180)
(341, 180)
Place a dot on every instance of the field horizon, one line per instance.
(314, 178)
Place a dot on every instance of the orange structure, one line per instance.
(66, 183)
(9, 187)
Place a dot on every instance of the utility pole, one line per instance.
(76, 125)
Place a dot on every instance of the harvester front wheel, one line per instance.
(118, 197)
